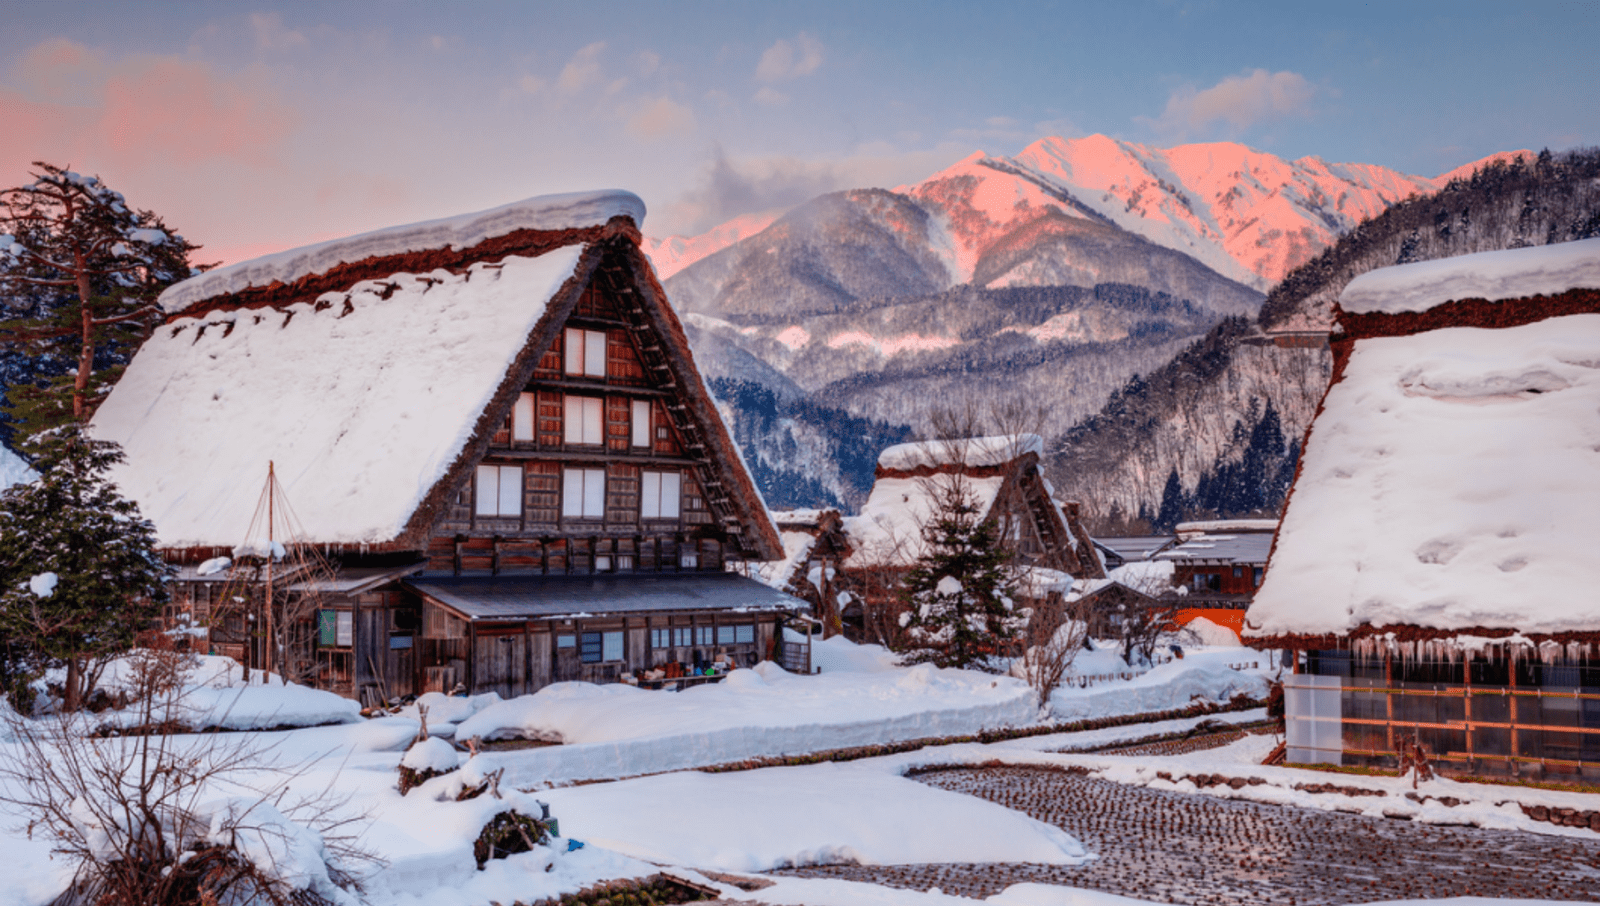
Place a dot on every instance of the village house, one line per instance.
(814, 548)
(1218, 564)
(1434, 576)
(1001, 478)
(499, 463)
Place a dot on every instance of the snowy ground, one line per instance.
(864, 810)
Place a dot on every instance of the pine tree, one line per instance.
(959, 608)
(79, 271)
(79, 573)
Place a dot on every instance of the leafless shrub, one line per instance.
(157, 818)
(1055, 636)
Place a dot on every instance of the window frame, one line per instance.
(583, 348)
(653, 494)
(590, 420)
(586, 495)
(504, 507)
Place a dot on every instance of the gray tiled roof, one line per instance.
(547, 597)
(1245, 547)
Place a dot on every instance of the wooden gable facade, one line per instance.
(582, 531)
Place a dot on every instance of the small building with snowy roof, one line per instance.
(814, 548)
(493, 428)
(1435, 572)
(999, 475)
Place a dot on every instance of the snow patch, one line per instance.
(1506, 274)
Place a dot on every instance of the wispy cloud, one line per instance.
(661, 117)
(1239, 101)
(582, 70)
(785, 60)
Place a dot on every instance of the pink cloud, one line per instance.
(141, 112)
(1240, 101)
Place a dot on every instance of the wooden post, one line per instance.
(268, 659)
(1388, 696)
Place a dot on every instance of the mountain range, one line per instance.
(1051, 277)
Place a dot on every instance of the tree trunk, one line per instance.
(80, 385)
(74, 677)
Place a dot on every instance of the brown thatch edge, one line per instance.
(760, 537)
(1407, 632)
(1468, 313)
(525, 243)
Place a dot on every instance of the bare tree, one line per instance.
(1055, 636)
(152, 819)
(1144, 619)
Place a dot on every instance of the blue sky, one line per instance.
(253, 127)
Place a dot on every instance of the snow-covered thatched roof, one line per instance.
(545, 213)
(973, 452)
(362, 399)
(888, 530)
(1508, 274)
(1450, 483)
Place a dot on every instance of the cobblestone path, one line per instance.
(1172, 847)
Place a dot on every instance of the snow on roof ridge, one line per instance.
(992, 450)
(1227, 525)
(1504, 274)
(571, 210)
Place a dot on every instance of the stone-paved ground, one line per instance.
(1172, 847)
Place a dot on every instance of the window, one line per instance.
(566, 641)
(583, 493)
(584, 419)
(601, 646)
(586, 352)
(522, 418)
(702, 635)
(682, 636)
(1258, 572)
(335, 628)
(602, 563)
(658, 495)
(641, 423)
(624, 562)
(499, 491)
(1238, 572)
(736, 635)
(689, 560)
(668, 638)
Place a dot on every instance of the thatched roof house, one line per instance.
(1441, 527)
(501, 394)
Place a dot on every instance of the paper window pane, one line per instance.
(594, 353)
(670, 491)
(574, 351)
(650, 495)
(594, 493)
(510, 490)
(522, 417)
(488, 490)
(593, 420)
(572, 418)
(344, 634)
(612, 648)
(572, 492)
(641, 423)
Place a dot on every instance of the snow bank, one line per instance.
(248, 708)
(1203, 675)
(1449, 474)
(619, 731)
(1507, 274)
(996, 450)
(830, 813)
(574, 210)
(208, 401)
